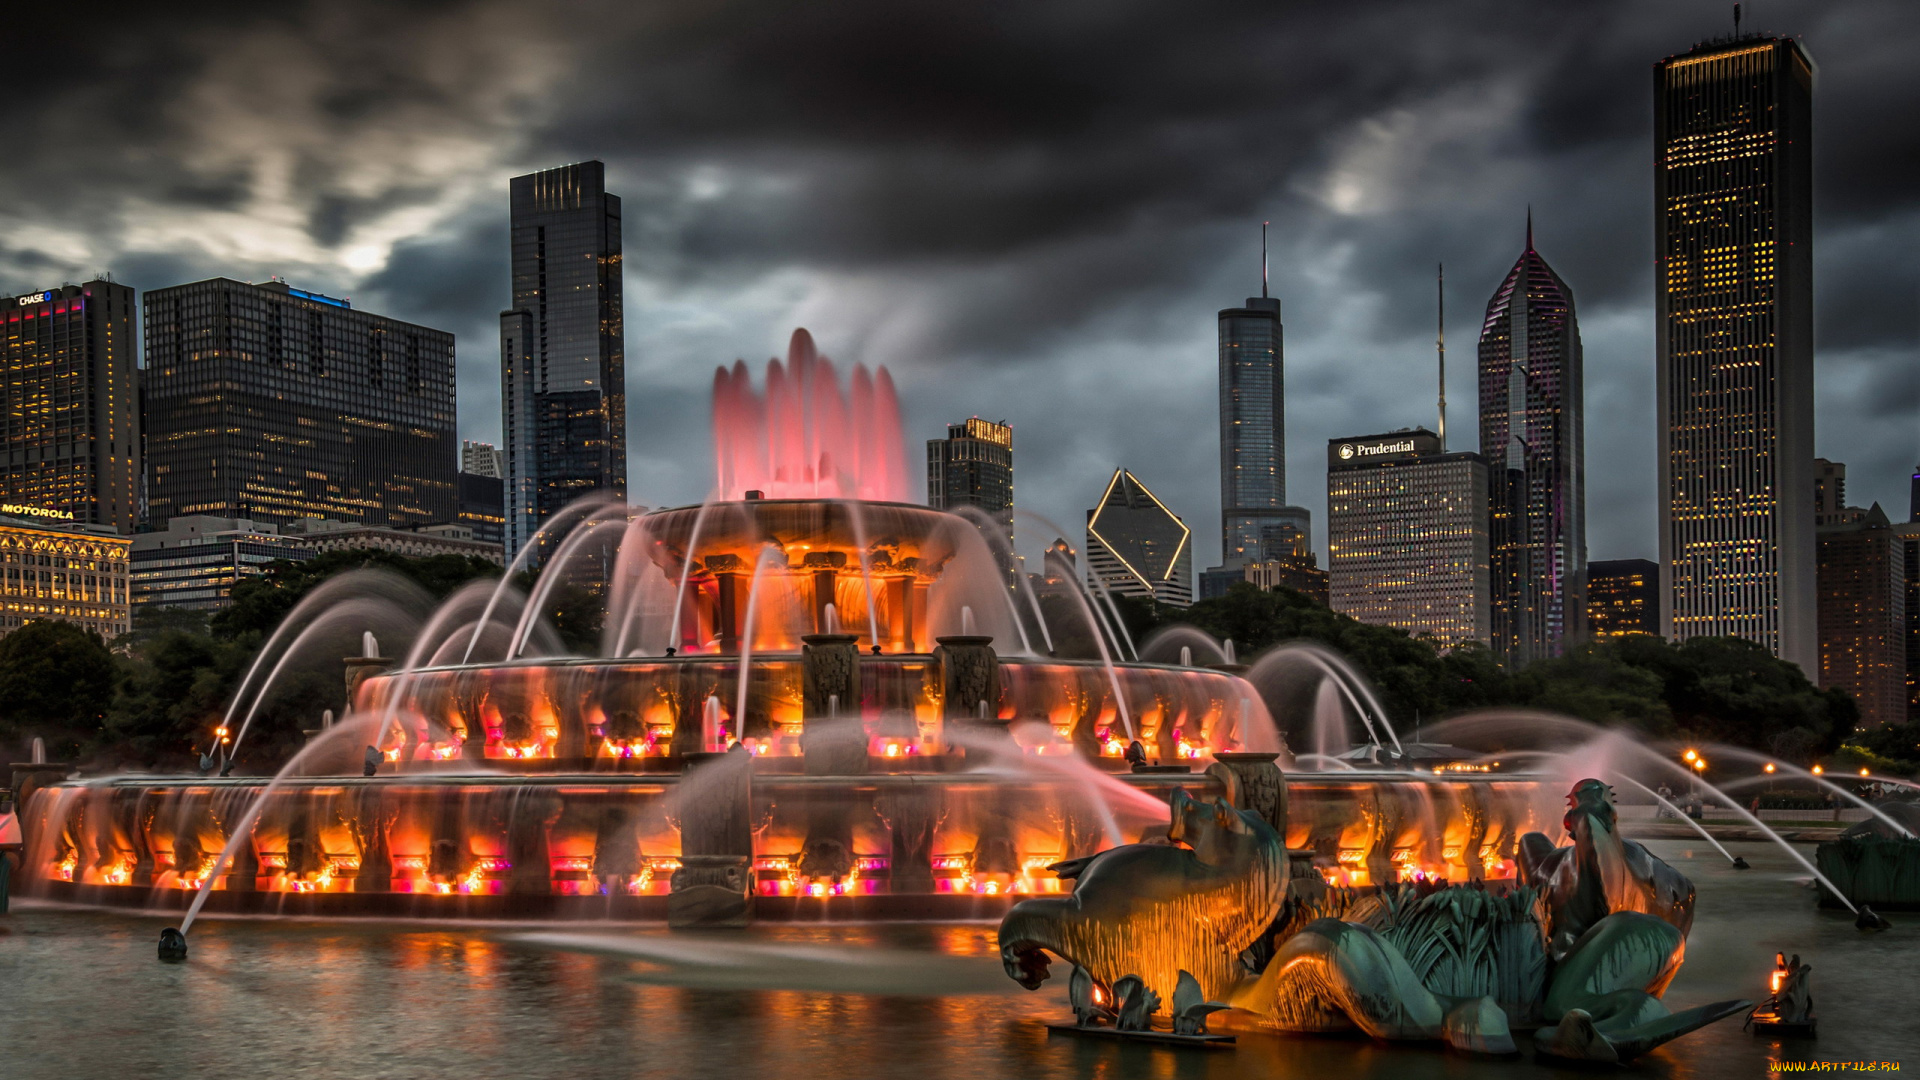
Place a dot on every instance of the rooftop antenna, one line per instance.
(1441, 343)
(1263, 260)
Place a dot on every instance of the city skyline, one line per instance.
(1547, 110)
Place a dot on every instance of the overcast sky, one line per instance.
(1027, 211)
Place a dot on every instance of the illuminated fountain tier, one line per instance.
(827, 697)
(885, 629)
(916, 760)
(720, 843)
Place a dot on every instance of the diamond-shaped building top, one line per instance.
(1138, 547)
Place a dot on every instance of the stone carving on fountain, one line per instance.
(1582, 947)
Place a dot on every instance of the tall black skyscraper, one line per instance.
(69, 418)
(1531, 430)
(1733, 295)
(274, 403)
(973, 466)
(1253, 433)
(562, 348)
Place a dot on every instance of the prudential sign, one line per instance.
(1362, 451)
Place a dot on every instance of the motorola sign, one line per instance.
(23, 510)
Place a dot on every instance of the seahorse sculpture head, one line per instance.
(1588, 800)
(1600, 872)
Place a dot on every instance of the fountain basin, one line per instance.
(926, 845)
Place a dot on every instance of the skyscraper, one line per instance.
(69, 409)
(973, 466)
(1407, 535)
(481, 507)
(1531, 435)
(1863, 614)
(1253, 432)
(1623, 597)
(562, 348)
(1733, 296)
(272, 403)
(1830, 494)
(1287, 560)
(1138, 547)
(482, 459)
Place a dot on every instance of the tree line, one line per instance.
(152, 697)
(1720, 689)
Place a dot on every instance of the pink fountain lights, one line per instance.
(807, 437)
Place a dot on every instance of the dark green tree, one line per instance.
(1595, 682)
(56, 679)
(1415, 681)
(174, 682)
(1733, 691)
(1898, 743)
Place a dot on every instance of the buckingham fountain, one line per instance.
(817, 700)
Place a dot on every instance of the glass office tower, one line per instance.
(973, 466)
(69, 414)
(1253, 433)
(274, 403)
(1531, 435)
(1733, 294)
(562, 348)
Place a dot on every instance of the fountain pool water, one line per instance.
(793, 999)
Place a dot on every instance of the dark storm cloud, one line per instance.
(1029, 211)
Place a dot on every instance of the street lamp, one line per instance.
(1817, 770)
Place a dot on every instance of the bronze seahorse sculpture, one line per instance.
(1154, 910)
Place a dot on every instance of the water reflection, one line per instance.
(80, 994)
